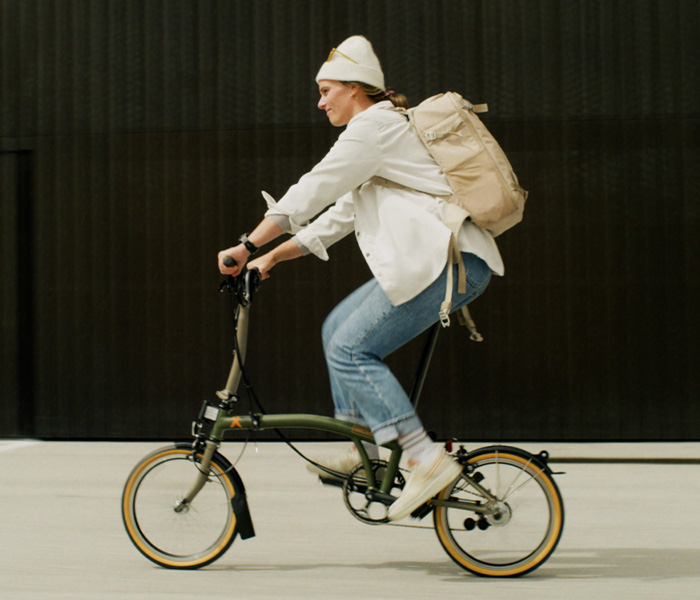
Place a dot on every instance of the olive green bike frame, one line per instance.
(225, 424)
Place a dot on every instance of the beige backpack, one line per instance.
(485, 188)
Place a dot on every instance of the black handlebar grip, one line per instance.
(229, 262)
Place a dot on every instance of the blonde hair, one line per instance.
(377, 95)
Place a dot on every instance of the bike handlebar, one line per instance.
(229, 262)
(243, 286)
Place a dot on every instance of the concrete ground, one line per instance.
(632, 531)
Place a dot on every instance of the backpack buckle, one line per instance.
(444, 318)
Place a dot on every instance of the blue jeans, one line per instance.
(364, 329)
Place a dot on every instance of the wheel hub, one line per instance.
(499, 514)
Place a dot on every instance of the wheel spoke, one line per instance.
(530, 478)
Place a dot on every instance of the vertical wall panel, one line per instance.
(153, 126)
(9, 368)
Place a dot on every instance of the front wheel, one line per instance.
(169, 532)
(503, 517)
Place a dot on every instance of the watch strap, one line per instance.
(252, 248)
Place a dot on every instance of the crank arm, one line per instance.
(377, 496)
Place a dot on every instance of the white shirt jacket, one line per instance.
(400, 231)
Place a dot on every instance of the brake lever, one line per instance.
(251, 285)
(227, 285)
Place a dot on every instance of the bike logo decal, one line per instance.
(362, 431)
(236, 422)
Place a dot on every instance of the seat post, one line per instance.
(424, 363)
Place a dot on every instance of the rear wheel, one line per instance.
(506, 514)
(165, 529)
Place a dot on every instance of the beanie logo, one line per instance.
(336, 51)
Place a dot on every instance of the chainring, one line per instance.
(356, 492)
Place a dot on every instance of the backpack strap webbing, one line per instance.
(465, 318)
(454, 217)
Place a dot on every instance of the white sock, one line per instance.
(418, 446)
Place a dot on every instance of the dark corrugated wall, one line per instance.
(136, 137)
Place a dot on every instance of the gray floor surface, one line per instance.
(632, 531)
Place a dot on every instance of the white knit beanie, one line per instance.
(353, 60)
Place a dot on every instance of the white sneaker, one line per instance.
(426, 480)
(341, 465)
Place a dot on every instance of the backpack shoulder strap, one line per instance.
(465, 318)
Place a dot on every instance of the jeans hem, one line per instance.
(351, 417)
(388, 432)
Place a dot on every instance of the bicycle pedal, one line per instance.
(422, 511)
(333, 481)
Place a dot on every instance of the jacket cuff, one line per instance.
(282, 221)
(312, 243)
(286, 221)
(304, 250)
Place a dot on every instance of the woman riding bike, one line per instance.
(401, 234)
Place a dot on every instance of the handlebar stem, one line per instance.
(234, 377)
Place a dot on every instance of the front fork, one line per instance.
(206, 448)
(201, 430)
(203, 473)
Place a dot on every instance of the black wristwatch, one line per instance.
(252, 248)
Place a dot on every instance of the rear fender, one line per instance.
(538, 459)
